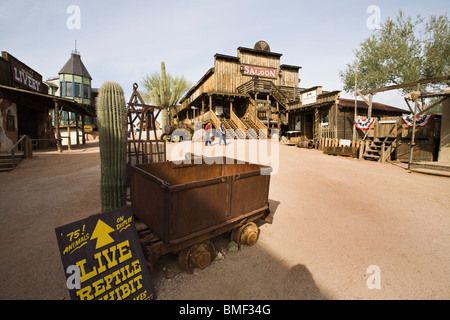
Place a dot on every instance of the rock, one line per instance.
(219, 256)
(170, 274)
(232, 247)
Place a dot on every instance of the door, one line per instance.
(309, 123)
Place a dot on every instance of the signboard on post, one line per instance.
(103, 258)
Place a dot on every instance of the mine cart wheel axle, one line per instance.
(197, 256)
(247, 234)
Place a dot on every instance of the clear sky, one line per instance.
(125, 40)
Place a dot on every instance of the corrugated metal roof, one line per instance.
(75, 66)
(350, 103)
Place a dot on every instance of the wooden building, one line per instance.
(249, 93)
(25, 106)
(253, 92)
(328, 123)
(323, 114)
(74, 82)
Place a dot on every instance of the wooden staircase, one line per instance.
(253, 131)
(379, 150)
(8, 161)
(232, 130)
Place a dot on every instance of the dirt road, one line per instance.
(343, 229)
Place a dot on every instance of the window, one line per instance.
(68, 89)
(324, 119)
(77, 90)
(86, 92)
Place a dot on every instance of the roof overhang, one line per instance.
(11, 94)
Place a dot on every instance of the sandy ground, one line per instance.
(335, 218)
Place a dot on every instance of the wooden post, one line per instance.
(83, 134)
(356, 108)
(278, 116)
(57, 123)
(77, 129)
(361, 149)
(413, 134)
(203, 110)
(69, 147)
(369, 111)
(210, 104)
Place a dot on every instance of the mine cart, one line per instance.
(184, 206)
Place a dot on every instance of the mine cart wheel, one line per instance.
(247, 234)
(199, 255)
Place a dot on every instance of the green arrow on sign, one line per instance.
(101, 233)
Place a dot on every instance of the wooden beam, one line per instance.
(410, 109)
(364, 98)
(433, 105)
(407, 84)
(57, 123)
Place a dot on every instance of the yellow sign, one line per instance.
(88, 128)
(106, 257)
(101, 233)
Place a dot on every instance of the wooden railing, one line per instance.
(292, 93)
(145, 151)
(265, 86)
(278, 95)
(255, 86)
(237, 121)
(215, 121)
(385, 153)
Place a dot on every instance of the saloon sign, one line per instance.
(103, 258)
(259, 71)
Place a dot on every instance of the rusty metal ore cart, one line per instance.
(186, 205)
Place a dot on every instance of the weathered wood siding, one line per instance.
(266, 60)
(345, 117)
(207, 85)
(289, 78)
(5, 72)
(226, 75)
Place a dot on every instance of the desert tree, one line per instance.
(164, 90)
(402, 50)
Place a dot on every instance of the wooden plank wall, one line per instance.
(5, 72)
(228, 76)
(289, 78)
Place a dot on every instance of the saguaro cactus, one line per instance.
(160, 96)
(112, 113)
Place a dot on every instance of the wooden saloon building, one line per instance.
(249, 93)
(254, 90)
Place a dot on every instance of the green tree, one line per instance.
(402, 50)
(164, 90)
